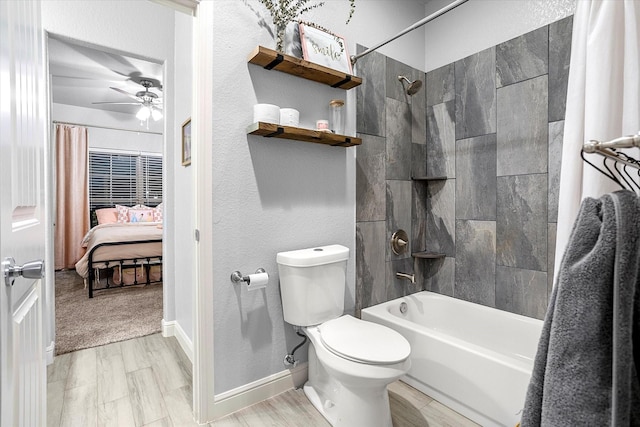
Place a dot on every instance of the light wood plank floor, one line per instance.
(141, 382)
(409, 408)
(147, 382)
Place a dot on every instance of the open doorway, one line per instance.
(152, 32)
(107, 132)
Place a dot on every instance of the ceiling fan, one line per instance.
(150, 103)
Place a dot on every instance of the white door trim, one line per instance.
(202, 155)
(49, 315)
(185, 6)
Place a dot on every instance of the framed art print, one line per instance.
(186, 143)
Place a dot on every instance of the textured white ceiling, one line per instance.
(82, 75)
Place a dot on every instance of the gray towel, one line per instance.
(578, 353)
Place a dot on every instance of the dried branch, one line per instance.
(285, 11)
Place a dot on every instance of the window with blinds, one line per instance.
(124, 179)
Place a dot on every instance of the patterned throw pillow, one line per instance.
(123, 213)
(157, 213)
(140, 215)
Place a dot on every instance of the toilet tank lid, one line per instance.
(310, 257)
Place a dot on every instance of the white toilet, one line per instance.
(351, 361)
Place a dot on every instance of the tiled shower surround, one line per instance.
(492, 124)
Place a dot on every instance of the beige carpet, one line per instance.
(110, 316)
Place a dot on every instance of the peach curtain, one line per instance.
(72, 194)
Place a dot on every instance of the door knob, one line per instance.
(30, 270)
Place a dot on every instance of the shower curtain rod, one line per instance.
(418, 24)
(621, 142)
(608, 149)
(57, 122)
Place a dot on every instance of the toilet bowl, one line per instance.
(351, 362)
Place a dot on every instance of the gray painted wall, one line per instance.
(480, 24)
(494, 129)
(183, 236)
(110, 138)
(272, 195)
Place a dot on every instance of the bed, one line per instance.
(121, 254)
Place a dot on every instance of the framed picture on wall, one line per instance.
(186, 143)
(324, 48)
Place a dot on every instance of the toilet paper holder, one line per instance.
(237, 277)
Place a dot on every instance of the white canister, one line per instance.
(267, 113)
(289, 117)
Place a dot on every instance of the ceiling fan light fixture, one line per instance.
(156, 114)
(143, 113)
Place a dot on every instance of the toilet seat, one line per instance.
(364, 342)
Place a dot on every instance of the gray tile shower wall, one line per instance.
(440, 215)
(441, 139)
(475, 261)
(476, 178)
(393, 127)
(523, 58)
(492, 124)
(475, 83)
(506, 176)
(371, 94)
(521, 221)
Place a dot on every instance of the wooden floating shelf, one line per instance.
(273, 60)
(270, 130)
(425, 178)
(428, 255)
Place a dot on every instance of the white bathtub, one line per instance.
(474, 359)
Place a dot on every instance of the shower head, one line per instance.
(414, 86)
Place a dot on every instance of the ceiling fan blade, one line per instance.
(126, 93)
(117, 103)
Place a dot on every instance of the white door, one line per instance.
(22, 228)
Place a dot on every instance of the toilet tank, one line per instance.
(312, 283)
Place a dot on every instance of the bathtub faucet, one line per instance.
(411, 277)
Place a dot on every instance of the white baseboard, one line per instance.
(173, 329)
(257, 391)
(50, 352)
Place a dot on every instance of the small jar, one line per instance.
(322, 125)
(336, 116)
